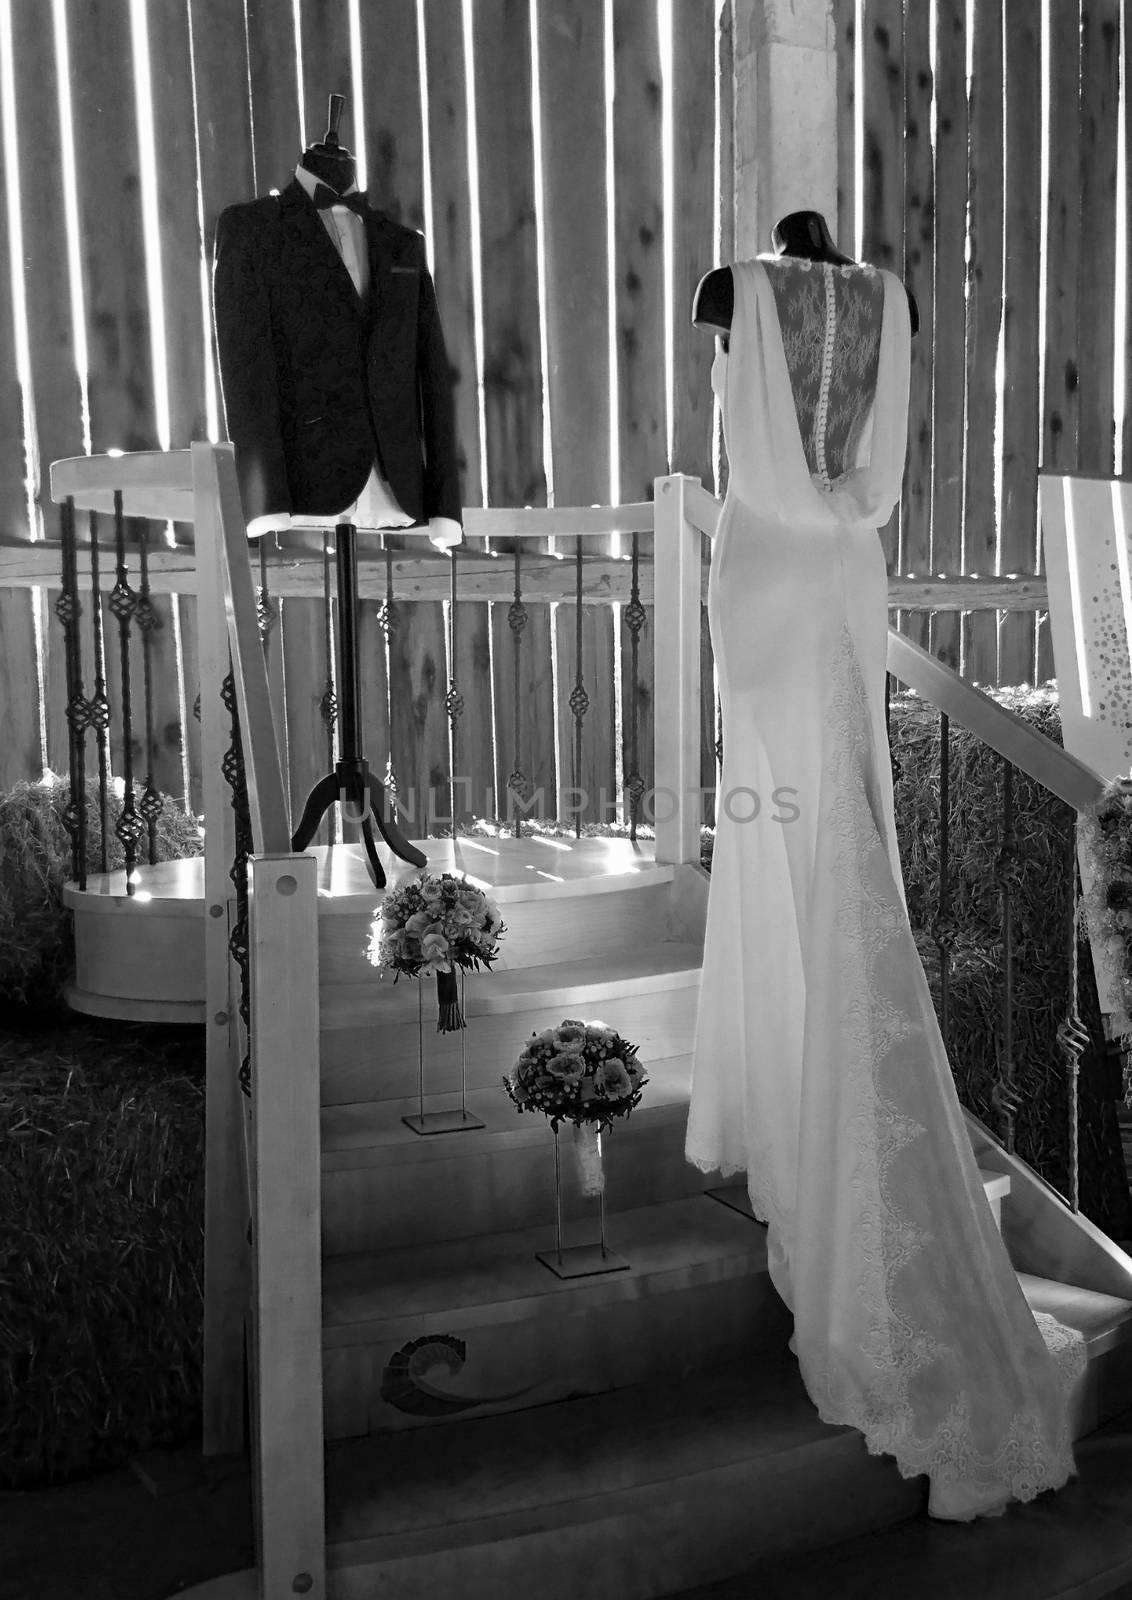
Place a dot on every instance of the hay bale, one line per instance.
(102, 1250)
(36, 945)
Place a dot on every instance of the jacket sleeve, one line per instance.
(248, 376)
(438, 407)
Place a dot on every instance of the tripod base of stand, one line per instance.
(443, 1122)
(582, 1261)
(352, 785)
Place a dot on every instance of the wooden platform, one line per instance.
(141, 956)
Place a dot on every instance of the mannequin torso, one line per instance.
(803, 235)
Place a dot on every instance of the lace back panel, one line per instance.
(831, 323)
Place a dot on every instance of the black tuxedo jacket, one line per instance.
(317, 385)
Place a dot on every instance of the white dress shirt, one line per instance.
(376, 506)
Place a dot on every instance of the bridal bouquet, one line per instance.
(433, 924)
(579, 1072)
(1107, 832)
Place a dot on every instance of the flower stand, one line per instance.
(460, 1119)
(580, 1260)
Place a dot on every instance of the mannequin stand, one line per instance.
(352, 785)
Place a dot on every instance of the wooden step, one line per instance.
(1106, 1322)
(534, 866)
(647, 1490)
(384, 1185)
(142, 955)
(625, 1496)
(1072, 1545)
(416, 1335)
(586, 980)
(370, 1041)
(995, 1184)
(479, 1308)
(605, 918)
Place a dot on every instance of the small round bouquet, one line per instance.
(579, 1072)
(435, 923)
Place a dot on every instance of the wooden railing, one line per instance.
(261, 961)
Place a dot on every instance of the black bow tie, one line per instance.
(325, 196)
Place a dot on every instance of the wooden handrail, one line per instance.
(1003, 730)
(155, 483)
(558, 522)
(425, 574)
(701, 508)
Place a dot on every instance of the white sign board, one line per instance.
(1086, 528)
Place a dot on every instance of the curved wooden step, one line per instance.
(503, 1331)
(483, 1325)
(383, 1184)
(584, 981)
(141, 956)
(639, 1492)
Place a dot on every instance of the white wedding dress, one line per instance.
(819, 1069)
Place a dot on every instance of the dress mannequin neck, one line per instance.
(335, 168)
(805, 234)
(329, 160)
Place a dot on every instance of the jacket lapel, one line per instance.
(310, 240)
(378, 265)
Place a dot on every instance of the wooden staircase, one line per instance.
(495, 1430)
(491, 1429)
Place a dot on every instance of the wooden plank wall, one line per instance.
(537, 317)
(952, 180)
(1014, 368)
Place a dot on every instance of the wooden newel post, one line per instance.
(287, 1303)
(677, 587)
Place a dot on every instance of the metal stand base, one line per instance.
(582, 1261)
(735, 1197)
(443, 1122)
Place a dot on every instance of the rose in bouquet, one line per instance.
(579, 1072)
(435, 923)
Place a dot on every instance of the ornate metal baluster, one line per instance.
(635, 618)
(123, 604)
(454, 701)
(579, 699)
(265, 606)
(518, 782)
(943, 928)
(389, 620)
(1004, 1096)
(1072, 1035)
(69, 609)
(148, 620)
(894, 760)
(99, 703)
(328, 705)
(232, 768)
